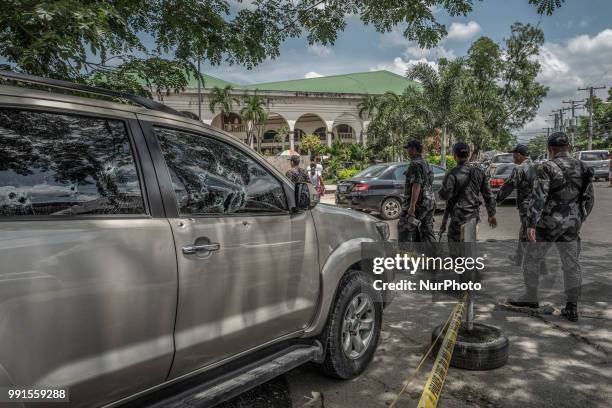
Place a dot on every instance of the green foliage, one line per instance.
(311, 144)
(602, 125)
(538, 146)
(71, 39)
(344, 156)
(347, 173)
(281, 134)
(481, 98)
(254, 112)
(435, 159)
(502, 89)
(145, 77)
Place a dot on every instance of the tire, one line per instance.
(476, 354)
(339, 363)
(390, 208)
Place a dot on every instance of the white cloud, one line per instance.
(578, 62)
(461, 31)
(312, 74)
(400, 65)
(319, 50)
(584, 44)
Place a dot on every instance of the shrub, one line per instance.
(435, 159)
(347, 173)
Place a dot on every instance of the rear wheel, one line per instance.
(353, 327)
(390, 208)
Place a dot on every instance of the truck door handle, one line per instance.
(192, 249)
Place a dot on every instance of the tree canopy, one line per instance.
(89, 41)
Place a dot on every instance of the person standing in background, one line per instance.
(316, 180)
(416, 219)
(561, 201)
(462, 187)
(296, 173)
(521, 180)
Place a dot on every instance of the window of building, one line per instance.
(322, 133)
(55, 164)
(298, 135)
(269, 136)
(344, 132)
(212, 177)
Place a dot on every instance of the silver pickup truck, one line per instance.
(147, 259)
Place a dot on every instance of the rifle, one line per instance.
(444, 223)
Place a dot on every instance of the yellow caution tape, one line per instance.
(435, 381)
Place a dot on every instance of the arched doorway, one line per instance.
(310, 123)
(275, 128)
(347, 128)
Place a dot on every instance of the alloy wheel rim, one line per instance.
(358, 326)
(391, 208)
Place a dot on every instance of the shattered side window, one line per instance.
(56, 165)
(211, 177)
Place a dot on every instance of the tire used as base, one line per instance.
(476, 356)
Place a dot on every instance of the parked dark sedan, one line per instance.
(380, 188)
(498, 174)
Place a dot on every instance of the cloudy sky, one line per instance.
(577, 52)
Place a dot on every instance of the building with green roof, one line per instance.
(326, 106)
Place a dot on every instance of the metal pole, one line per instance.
(591, 90)
(470, 314)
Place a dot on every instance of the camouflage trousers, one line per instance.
(407, 232)
(568, 246)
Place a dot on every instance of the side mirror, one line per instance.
(306, 197)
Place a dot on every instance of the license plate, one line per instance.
(343, 189)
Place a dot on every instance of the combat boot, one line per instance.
(570, 311)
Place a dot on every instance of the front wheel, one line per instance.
(390, 208)
(353, 328)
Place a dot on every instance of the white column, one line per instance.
(330, 126)
(291, 134)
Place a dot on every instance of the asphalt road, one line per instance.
(553, 363)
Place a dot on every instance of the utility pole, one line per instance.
(591, 90)
(573, 106)
(556, 122)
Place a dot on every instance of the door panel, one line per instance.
(255, 277)
(258, 286)
(87, 305)
(88, 279)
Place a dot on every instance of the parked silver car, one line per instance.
(150, 259)
(597, 160)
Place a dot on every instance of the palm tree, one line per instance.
(441, 103)
(222, 99)
(368, 106)
(393, 120)
(255, 114)
(281, 135)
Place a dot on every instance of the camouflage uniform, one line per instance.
(561, 201)
(521, 179)
(298, 175)
(419, 171)
(464, 201)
